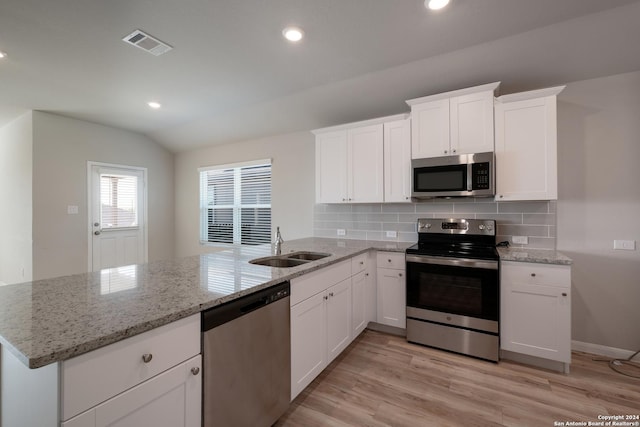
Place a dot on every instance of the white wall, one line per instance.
(293, 188)
(16, 145)
(599, 201)
(61, 149)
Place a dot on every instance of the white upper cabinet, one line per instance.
(451, 123)
(350, 162)
(331, 167)
(397, 161)
(365, 171)
(526, 145)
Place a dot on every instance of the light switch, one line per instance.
(392, 234)
(625, 245)
(342, 232)
(520, 240)
(72, 210)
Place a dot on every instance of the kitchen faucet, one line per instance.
(279, 241)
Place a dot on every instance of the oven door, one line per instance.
(467, 289)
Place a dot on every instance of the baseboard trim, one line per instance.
(378, 327)
(601, 350)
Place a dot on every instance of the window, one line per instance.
(118, 201)
(235, 203)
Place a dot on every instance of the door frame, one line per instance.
(145, 234)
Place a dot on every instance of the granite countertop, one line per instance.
(540, 256)
(52, 320)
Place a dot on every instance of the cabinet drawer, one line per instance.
(310, 284)
(358, 263)
(393, 260)
(94, 377)
(536, 274)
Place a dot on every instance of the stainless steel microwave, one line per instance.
(454, 176)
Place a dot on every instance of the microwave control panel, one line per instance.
(481, 176)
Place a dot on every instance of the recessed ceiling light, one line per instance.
(293, 34)
(3, 55)
(436, 4)
(154, 105)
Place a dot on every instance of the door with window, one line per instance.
(117, 214)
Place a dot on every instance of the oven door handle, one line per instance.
(455, 262)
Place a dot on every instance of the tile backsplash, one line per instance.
(535, 219)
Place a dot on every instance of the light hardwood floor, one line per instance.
(381, 380)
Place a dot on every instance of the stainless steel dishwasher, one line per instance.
(246, 350)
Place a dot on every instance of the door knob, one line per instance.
(96, 224)
(195, 371)
(97, 233)
(146, 358)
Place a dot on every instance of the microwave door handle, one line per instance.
(469, 177)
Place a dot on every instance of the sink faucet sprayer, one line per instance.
(278, 241)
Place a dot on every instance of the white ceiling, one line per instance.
(231, 76)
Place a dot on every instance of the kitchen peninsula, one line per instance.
(49, 322)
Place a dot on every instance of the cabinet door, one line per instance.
(338, 318)
(331, 167)
(471, 123)
(430, 129)
(536, 320)
(358, 303)
(526, 150)
(172, 398)
(308, 342)
(397, 161)
(392, 299)
(371, 291)
(365, 165)
(86, 419)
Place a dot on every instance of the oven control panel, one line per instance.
(485, 227)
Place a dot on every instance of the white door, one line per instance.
(391, 298)
(308, 342)
(365, 164)
(118, 217)
(338, 318)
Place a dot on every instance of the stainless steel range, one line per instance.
(453, 288)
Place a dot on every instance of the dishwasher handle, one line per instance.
(231, 310)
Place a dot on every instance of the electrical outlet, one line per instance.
(342, 232)
(392, 234)
(625, 245)
(520, 240)
(72, 210)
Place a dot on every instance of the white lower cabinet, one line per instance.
(320, 323)
(172, 398)
(535, 309)
(338, 303)
(154, 378)
(391, 295)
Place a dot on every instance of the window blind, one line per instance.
(235, 203)
(118, 201)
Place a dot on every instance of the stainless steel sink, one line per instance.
(277, 261)
(309, 256)
(289, 260)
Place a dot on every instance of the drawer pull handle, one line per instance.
(400, 274)
(195, 371)
(389, 260)
(533, 274)
(330, 294)
(361, 262)
(146, 358)
(564, 294)
(325, 297)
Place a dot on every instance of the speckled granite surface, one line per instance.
(540, 256)
(51, 320)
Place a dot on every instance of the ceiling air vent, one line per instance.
(146, 42)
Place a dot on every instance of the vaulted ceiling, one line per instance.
(231, 76)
